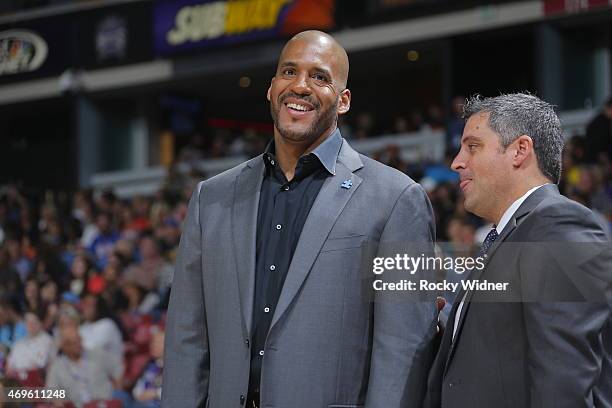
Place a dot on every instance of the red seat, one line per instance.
(66, 404)
(113, 403)
(30, 378)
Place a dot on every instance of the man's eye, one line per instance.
(472, 147)
(320, 78)
(288, 71)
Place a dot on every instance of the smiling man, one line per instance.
(269, 306)
(543, 343)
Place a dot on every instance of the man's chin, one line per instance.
(294, 135)
(469, 205)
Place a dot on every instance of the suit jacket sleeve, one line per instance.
(565, 345)
(403, 327)
(186, 354)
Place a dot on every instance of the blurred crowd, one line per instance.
(216, 142)
(85, 276)
(84, 285)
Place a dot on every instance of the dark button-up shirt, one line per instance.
(283, 209)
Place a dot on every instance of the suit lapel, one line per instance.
(323, 215)
(244, 231)
(528, 205)
(475, 275)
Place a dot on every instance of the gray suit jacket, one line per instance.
(542, 343)
(328, 345)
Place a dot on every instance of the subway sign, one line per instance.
(182, 25)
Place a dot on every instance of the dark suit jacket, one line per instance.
(540, 343)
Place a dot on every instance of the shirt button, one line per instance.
(286, 188)
(278, 226)
(266, 309)
(242, 400)
(272, 162)
(272, 267)
(261, 352)
(247, 342)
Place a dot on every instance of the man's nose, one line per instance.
(301, 84)
(458, 162)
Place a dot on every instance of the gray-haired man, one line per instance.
(529, 346)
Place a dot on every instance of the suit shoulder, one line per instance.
(561, 206)
(559, 218)
(389, 177)
(222, 180)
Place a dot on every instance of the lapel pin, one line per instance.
(346, 184)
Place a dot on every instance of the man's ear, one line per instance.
(269, 89)
(344, 102)
(522, 150)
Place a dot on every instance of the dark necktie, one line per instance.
(457, 308)
(488, 242)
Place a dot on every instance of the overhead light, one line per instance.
(244, 82)
(412, 55)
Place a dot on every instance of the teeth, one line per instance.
(297, 107)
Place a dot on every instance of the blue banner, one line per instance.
(182, 25)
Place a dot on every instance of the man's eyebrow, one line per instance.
(316, 69)
(470, 138)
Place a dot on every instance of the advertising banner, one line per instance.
(115, 35)
(34, 49)
(183, 25)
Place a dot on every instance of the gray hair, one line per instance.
(514, 115)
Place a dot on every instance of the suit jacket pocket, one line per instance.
(336, 244)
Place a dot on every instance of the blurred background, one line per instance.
(112, 111)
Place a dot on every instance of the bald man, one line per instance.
(270, 304)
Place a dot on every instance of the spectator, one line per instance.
(80, 270)
(48, 214)
(67, 316)
(86, 375)
(32, 300)
(10, 283)
(32, 352)
(153, 272)
(102, 245)
(84, 213)
(443, 199)
(147, 391)
(112, 294)
(18, 260)
(599, 136)
(49, 297)
(138, 300)
(391, 156)
(99, 331)
(12, 328)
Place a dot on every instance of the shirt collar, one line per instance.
(503, 221)
(327, 152)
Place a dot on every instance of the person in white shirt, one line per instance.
(86, 375)
(99, 331)
(34, 351)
